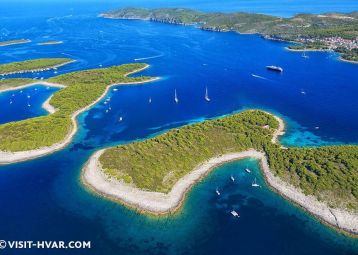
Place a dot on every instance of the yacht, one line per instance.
(234, 213)
(275, 68)
(217, 192)
(247, 170)
(120, 118)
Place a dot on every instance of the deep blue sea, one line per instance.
(43, 199)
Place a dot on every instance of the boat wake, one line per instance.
(258, 76)
(156, 56)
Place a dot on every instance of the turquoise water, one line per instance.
(43, 199)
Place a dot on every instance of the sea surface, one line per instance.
(43, 199)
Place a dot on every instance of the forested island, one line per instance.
(13, 42)
(153, 175)
(33, 65)
(42, 135)
(331, 31)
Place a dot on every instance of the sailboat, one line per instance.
(176, 97)
(232, 178)
(304, 54)
(150, 100)
(120, 118)
(207, 95)
(247, 170)
(254, 184)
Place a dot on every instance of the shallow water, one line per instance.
(44, 200)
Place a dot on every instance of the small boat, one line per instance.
(28, 105)
(207, 95)
(100, 65)
(35, 89)
(247, 170)
(105, 102)
(217, 192)
(275, 68)
(232, 178)
(316, 128)
(20, 91)
(234, 213)
(254, 184)
(109, 108)
(42, 78)
(150, 100)
(10, 102)
(176, 97)
(304, 54)
(13, 95)
(106, 111)
(28, 96)
(115, 90)
(303, 92)
(120, 118)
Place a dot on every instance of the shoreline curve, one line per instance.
(157, 203)
(13, 157)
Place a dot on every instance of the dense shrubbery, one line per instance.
(16, 82)
(330, 173)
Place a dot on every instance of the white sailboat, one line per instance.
(207, 95)
(247, 170)
(254, 184)
(150, 100)
(120, 118)
(232, 178)
(304, 54)
(176, 97)
(234, 213)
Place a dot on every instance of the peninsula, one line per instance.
(155, 175)
(33, 65)
(332, 31)
(35, 137)
(13, 42)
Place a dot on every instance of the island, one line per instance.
(33, 65)
(52, 42)
(332, 31)
(154, 175)
(13, 42)
(35, 137)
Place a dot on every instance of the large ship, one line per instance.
(275, 68)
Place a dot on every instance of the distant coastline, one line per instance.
(157, 203)
(328, 35)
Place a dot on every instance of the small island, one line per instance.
(331, 31)
(13, 42)
(154, 175)
(35, 137)
(34, 65)
(52, 42)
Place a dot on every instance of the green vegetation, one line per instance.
(33, 65)
(304, 28)
(82, 89)
(16, 82)
(330, 173)
(12, 42)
